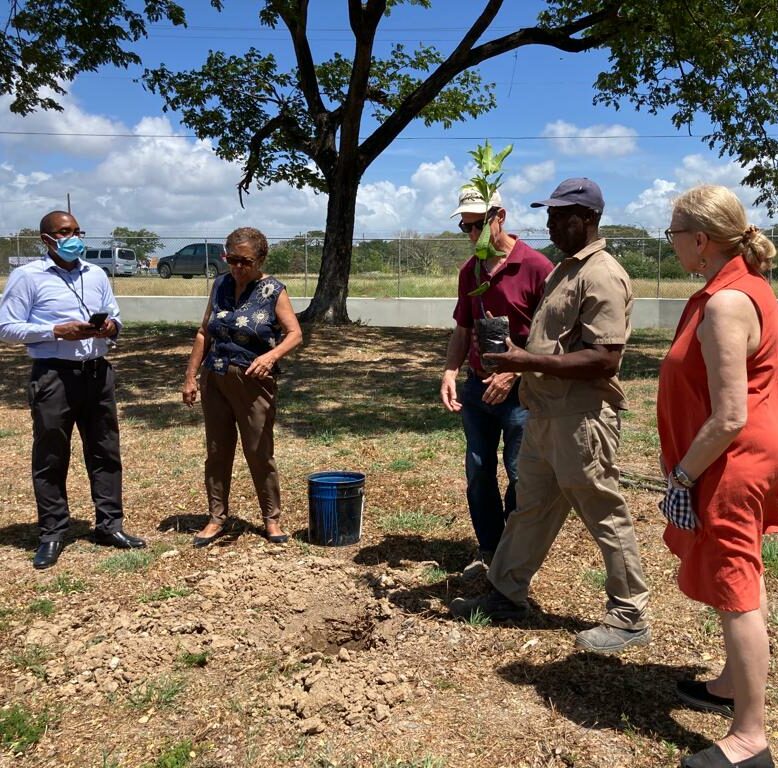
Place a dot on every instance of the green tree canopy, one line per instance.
(46, 42)
(24, 244)
(143, 241)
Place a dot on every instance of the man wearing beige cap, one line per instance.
(568, 454)
(489, 401)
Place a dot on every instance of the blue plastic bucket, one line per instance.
(336, 501)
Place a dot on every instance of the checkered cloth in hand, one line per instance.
(677, 507)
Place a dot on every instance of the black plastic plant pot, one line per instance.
(491, 333)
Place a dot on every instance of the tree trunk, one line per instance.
(328, 304)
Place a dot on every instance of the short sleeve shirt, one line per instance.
(242, 330)
(515, 288)
(588, 300)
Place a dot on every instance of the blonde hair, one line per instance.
(720, 215)
(252, 237)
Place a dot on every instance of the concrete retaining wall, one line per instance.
(435, 313)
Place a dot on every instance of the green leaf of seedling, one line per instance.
(483, 244)
(483, 288)
(502, 155)
(492, 252)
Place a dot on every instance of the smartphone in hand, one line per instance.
(98, 319)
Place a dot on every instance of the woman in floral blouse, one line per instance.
(248, 326)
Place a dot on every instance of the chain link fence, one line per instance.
(413, 266)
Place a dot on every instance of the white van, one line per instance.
(116, 262)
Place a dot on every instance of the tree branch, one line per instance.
(297, 24)
(465, 56)
(364, 20)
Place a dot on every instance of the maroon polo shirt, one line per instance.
(516, 288)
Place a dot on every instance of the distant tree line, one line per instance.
(643, 255)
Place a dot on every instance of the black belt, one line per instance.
(92, 365)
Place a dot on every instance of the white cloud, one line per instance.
(652, 208)
(529, 178)
(71, 120)
(598, 140)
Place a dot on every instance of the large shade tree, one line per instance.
(710, 58)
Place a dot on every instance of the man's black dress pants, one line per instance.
(63, 393)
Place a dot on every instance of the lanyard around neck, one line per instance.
(72, 289)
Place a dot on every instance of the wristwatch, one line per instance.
(680, 477)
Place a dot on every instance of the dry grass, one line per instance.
(374, 285)
(355, 398)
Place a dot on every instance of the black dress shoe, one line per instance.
(119, 539)
(203, 541)
(47, 554)
(714, 757)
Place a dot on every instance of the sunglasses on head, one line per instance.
(238, 261)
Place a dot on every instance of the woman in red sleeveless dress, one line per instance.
(718, 425)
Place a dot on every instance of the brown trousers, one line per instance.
(564, 462)
(233, 402)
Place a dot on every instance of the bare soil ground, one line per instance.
(250, 654)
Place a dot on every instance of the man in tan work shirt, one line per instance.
(568, 455)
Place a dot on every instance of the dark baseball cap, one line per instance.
(575, 192)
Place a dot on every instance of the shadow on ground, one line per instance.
(395, 382)
(25, 535)
(450, 554)
(607, 692)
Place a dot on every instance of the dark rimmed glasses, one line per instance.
(238, 261)
(468, 227)
(670, 233)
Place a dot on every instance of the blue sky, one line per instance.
(178, 187)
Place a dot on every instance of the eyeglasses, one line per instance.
(468, 227)
(239, 261)
(67, 232)
(669, 233)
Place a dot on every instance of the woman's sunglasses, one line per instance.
(239, 261)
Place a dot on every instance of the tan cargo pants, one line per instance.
(564, 462)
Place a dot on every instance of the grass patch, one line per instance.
(5, 613)
(595, 579)
(128, 561)
(478, 618)
(7, 432)
(65, 584)
(164, 593)
(42, 606)
(400, 465)
(176, 756)
(323, 437)
(710, 623)
(20, 728)
(32, 659)
(187, 659)
(413, 521)
(444, 684)
(433, 574)
(158, 693)
(770, 555)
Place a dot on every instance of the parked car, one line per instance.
(115, 262)
(190, 260)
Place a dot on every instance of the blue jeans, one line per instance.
(484, 424)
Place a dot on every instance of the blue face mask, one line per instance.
(70, 248)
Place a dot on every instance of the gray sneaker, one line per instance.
(478, 566)
(607, 639)
(493, 605)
